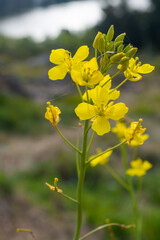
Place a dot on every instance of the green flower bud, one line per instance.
(120, 48)
(120, 37)
(125, 59)
(115, 58)
(131, 52)
(127, 48)
(110, 34)
(110, 46)
(124, 66)
(117, 44)
(99, 42)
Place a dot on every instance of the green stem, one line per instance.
(119, 85)
(67, 140)
(105, 226)
(96, 53)
(111, 78)
(68, 197)
(117, 178)
(109, 149)
(79, 90)
(90, 143)
(81, 181)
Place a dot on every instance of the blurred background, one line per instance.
(32, 153)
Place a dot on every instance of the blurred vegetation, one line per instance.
(141, 26)
(100, 191)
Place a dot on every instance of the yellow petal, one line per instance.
(106, 82)
(145, 68)
(99, 96)
(116, 111)
(135, 172)
(114, 95)
(77, 77)
(85, 111)
(57, 72)
(92, 64)
(82, 53)
(96, 78)
(136, 163)
(57, 56)
(147, 165)
(103, 159)
(101, 125)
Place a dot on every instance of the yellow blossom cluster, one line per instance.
(134, 136)
(98, 101)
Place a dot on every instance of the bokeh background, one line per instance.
(32, 153)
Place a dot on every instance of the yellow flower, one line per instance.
(88, 74)
(52, 114)
(65, 62)
(101, 111)
(121, 130)
(106, 84)
(139, 168)
(133, 134)
(133, 70)
(103, 159)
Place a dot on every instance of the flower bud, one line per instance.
(115, 58)
(120, 37)
(127, 48)
(124, 66)
(110, 34)
(99, 42)
(131, 52)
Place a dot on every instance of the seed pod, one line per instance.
(125, 59)
(115, 58)
(110, 34)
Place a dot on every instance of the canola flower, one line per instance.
(134, 70)
(52, 114)
(97, 106)
(133, 134)
(64, 61)
(121, 130)
(138, 167)
(103, 159)
(101, 111)
(88, 74)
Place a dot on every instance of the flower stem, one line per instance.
(117, 178)
(67, 140)
(90, 143)
(105, 226)
(81, 181)
(79, 90)
(119, 85)
(109, 149)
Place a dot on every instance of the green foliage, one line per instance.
(20, 115)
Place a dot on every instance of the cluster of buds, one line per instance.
(113, 52)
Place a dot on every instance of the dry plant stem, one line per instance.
(67, 140)
(109, 149)
(105, 226)
(27, 231)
